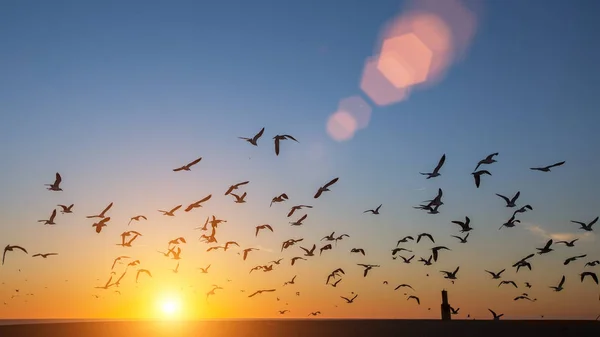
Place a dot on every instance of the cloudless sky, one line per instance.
(115, 94)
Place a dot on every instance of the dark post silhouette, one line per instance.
(446, 315)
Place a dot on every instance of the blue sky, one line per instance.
(115, 94)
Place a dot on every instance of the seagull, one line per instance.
(296, 208)
(278, 138)
(299, 221)
(585, 227)
(358, 250)
(350, 300)
(404, 239)
(56, 185)
(292, 281)
(280, 198)
(51, 220)
(435, 251)
(10, 248)
(450, 275)
(523, 297)
(546, 248)
(294, 259)
(310, 252)
(137, 276)
(136, 218)
(254, 139)
(246, 251)
(235, 187)
(464, 225)
(325, 188)
(488, 160)
(477, 176)
(508, 282)
(176, 270)
(407, 260)
(592, 263)
(314, 313)
(454, 311)
(496, 275)
(571, 259)
(510, 202)
(204, 270)
(437, 201)
(496, 317)
(415, 298)
(100, 224)
(326, 247)
(44, 255)
(188, 166)
(427, 235)
(66, 209)
(196, 204)
(117, 260)
(281, 312)
(261, 291)
(436, 170)
(239, 199)
(374, 211)
(101, 215)
(510, 223)
(258, 228)
(403, 285)
(462, 240)
(560, 285)
(523, 209)
(172, 211)
(568, 243)
(590, 274)
(547, 168)
(367, 267)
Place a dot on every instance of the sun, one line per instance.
(170, 307)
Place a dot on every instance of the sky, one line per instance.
(114, 95)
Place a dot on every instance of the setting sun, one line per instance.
(170, 307)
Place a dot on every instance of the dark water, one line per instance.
(312, 328)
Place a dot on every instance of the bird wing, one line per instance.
(562, 281)
(258, 135)
(303, 217)
(21, 248)
(290, 137)
(276, 146)
(516, 197)
(178, 169)
(503, 197)
(175, 208)
(555, 165)
(53, 215)
(440, 163)
(333, 181)
(205, 199)
(106, 209)
(194, 162)
(58, 179)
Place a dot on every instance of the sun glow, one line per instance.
(169, 307)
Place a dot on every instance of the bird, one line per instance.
(325, 188)
(296, 208)
(326, 247)
(146, 271)
(100, 224)
(66, 209)
(235, 187)
(299, 221)
(56, 185)
(508, 282)
(568, 243)
(547, 168)
(546, 248)
(51, 220)
(196, 204)
(10, 248)
(358, 250)
(44, 255)
(176, 270)
(560, 285)
(510, 223)
(292, 281)
(571, 259)
(246, 251)
(462, 240)
(454, 311)
(464, 225)
(477, 176)
(266, 226)
(496, 317)
(435, 251)
(136, 218)
(592, 263)
(414, 298)
(590, 274)
(488, 160)
(349, 300)
(523, 209)
(404, 239)
(172, 211)
(374, 211)
(496, 275)
(118, 259)
(436, 170)
(427, 235)
(204, 270)
(254, 140)
(239, 199)
(367, 268)
(279, 138)
(450, 275)
(261, 291)
(280, 198)
(102, 215)
(407, 260)
(586, 227)
(403, 285)
(510, 202)
(294, 259)
(187, 166)
(310, 252)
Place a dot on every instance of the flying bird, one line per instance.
(568, 243)
(136, 218)
(358, 250)
(66, 209)
(462, 240)
(101, 215)
(280, 198)
(254, 140)
(235, 187)
(261, 291)
(488, 160)
(510, 202)
(586, 227)
(258, 228)
(414, 298)
(188, 166)
(374, 211)
(172, 211)
(436, 170)
(546, 248)
(146, 271)
(44, 255)
(560, 285)
(325, 188)
(56, 185)
(100, 224)
(239, 199)
(464, 225)
(477, 176)
(349, 300)
(196, 204)
(496, 275)
(508, 282)
(547, 168)
(299, 221)
(278, 138)
(496, 317)
(590, 274)
(367, 268)
(296, 208)
(51, 220)
(571, 259)
(10, 248)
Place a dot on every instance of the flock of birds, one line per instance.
(305, 251)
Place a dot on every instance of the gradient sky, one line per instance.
(115, 94)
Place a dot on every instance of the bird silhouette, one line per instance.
(325, 188)
(254, 140)
(436, 170)
(187, 167)
(279, 138)
(547, 168)
(55, 186)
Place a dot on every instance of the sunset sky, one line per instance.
(116, 94)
